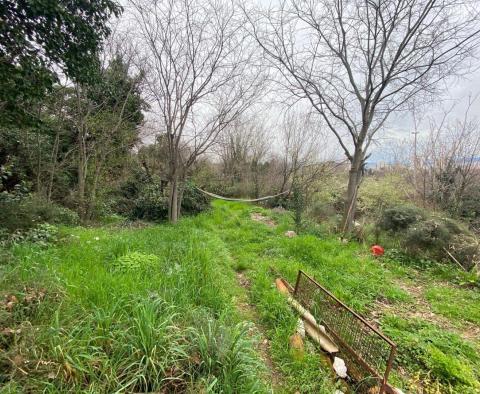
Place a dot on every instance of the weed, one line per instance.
(135, 261)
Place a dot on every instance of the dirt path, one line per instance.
(250, 312)
(258, 217)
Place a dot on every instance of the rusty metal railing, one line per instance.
(367, 352)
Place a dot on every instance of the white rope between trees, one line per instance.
(240, 199)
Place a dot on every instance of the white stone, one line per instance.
(340, 367)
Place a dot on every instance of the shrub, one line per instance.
(25, 213)
(465, 248)
(322, 210)
(151, 204)
(400, 217)
(148, 200)
(42, 234)
(194, 201)
(380, 192)
(429, 234)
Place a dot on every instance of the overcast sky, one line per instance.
(456, 97)
(400, 125)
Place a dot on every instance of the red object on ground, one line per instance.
(377, 250)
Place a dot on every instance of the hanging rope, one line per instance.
(240, 199)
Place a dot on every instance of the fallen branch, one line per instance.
(454, 259)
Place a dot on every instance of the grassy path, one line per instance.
(249, 312)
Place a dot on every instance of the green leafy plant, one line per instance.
(448, 357)
(42, 234)
(135, 261)
(428, 234)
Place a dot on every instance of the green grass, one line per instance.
(455, 303)
(429, 354)
(112, 309)
(104, 329)
(436, 353)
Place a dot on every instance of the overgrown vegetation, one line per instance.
(109, 122)
(425, 235)
(156, 308)
(123, 310)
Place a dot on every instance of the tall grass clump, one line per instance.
(224, 357)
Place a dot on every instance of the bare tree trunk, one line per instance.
(181, 189)
(90, 206)
(39, 163)
(81, 189)
(354, 178)
(82, 174)
(53, 166)
(173, 200)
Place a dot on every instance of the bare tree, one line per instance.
(243, 150)
(448, 159)
(199, 75)
(304, 158)
(233, 148)
(260, 151)
(358, 61)
(300, 145)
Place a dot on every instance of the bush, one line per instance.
(465, 248)
(380, 192)
(400, 217)
(148, 200)
(427, 236)
(42, 234)
(194, 201)
(151, 204)
(26, 213)
(322, 210)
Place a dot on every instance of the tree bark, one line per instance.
(82, 174)
(81, 189)
(92, 198)
(53, 167)
(173, 200)
(354, 178)
(181, 189)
